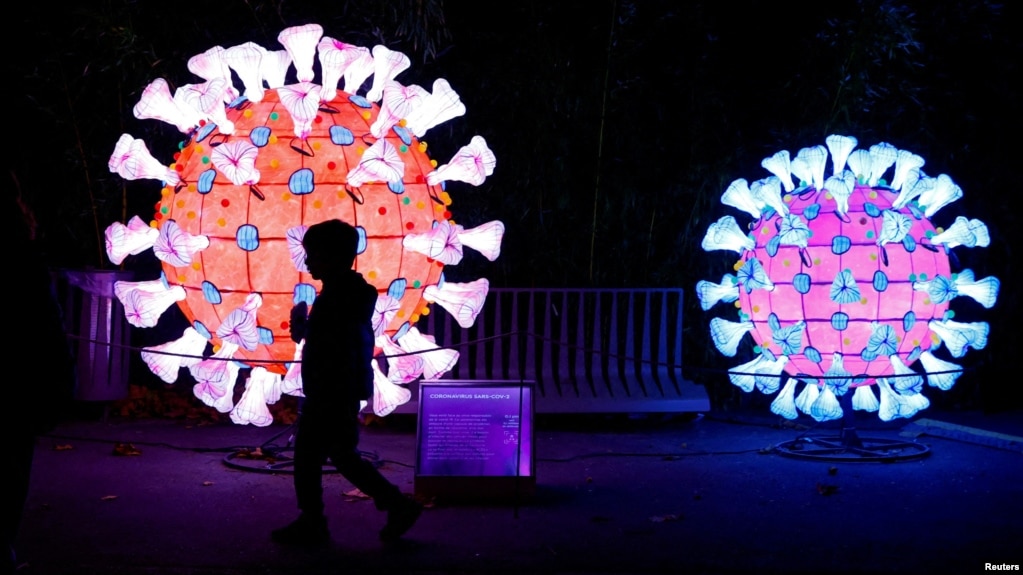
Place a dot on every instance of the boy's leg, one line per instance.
(308, 467)
(311, 526)
(344, 454)
(402, 512)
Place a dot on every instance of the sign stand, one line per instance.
(475, 440)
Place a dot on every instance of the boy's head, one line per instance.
(330, 246)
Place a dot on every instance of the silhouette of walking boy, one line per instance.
(336, 376)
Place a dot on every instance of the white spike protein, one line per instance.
(255, 171)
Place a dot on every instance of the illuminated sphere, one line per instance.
(248, 249)
(843, 282)
(882, 293)
(263, 162)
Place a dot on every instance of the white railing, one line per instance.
(587, 350)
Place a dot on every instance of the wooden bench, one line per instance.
(587, 350)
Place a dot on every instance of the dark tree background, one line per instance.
(616, 123)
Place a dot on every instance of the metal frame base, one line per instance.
(849, 447)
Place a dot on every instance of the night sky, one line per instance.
(616, 124)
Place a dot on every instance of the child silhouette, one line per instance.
(336, 376)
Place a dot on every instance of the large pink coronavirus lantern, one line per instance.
(844, 282)
(261, 164)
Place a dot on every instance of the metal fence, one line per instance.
(587, 350)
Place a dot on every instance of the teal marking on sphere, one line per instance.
(908, 321)
(840, 320)
(203, 331)
(801, 283)
(301, 182)
(397, 288)
(403, 134)
(341, 136)
(247, 237)
(880, 281)
(360, 101)
(812, 354)
(361, 247)
(205, 182)
(260, 136)
(304, 293)
(840, 245)
(204, 131)
(210, 293)
(401, 331)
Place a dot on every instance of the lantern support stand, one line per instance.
(848, 446)
(270, 457)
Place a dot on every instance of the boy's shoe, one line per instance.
(400, 519)
(305, 530)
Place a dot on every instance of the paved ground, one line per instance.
(614, 495)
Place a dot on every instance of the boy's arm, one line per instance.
(299, 319)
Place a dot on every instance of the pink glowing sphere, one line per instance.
(872, 286)
(843, 282)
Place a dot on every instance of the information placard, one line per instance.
(474, 429)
